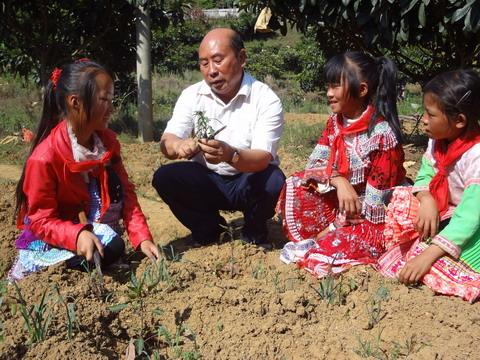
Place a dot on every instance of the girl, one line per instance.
(333, 212)
(75, 168)
(445, 207)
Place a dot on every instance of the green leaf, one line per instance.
(303, 3)
(421, 15)
(346, 2)
(467, 25)
(139, 345)
(118, 307)
(460, 13)
(409, 7)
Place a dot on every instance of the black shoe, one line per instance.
(258, 240)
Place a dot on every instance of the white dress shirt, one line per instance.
(253, 118)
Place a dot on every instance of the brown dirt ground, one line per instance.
(238, 301)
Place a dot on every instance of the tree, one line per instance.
(144, 73)
(36, 36)
(424, 37)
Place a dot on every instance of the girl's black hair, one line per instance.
(75, 78)
(353, 67)
(457, 92)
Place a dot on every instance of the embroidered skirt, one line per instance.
(320, 241)
(35, 254)
(447, 275)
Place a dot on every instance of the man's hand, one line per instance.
(426, 223)
(87, 243)
(348, 201)
(186, 148)
(150, 250)
(216, 151)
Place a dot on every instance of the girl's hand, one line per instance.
(426, 223)
(87, 243)
(348, 201)
(416, 268)
(150, 250)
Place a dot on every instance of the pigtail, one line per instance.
(385, 98)
(49, 119)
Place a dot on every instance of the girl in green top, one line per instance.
(433, 229)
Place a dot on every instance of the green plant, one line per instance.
(3, 292)
(36, 317)
(173, 255)
(138, 290)
(258, 272)
(229, 235)
(333, 290)
(374, 307)
(371, 348)
(72, 322)
(95, 281)
(174, 341)
(204, 129)
(410, 346)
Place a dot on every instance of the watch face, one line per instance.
(235, 156)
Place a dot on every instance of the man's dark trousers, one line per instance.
(195, 195)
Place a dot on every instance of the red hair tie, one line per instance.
(82, 60)
(56, 73)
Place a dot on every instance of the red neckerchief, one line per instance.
(445, 155)
(338, 145)
(96, 167)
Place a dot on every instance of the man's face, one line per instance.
(221, 68)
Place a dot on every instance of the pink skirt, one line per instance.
(447, 275)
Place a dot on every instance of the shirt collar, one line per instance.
(245, 87)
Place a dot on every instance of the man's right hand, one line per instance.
(186, 148)
(87, 243)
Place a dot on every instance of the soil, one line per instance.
(229, 300)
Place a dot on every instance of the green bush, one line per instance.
(174, 50)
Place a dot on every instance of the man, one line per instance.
(237, 168)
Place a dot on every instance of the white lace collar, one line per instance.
(80, 152)
(347, 121)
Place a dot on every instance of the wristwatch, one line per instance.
(235, 157)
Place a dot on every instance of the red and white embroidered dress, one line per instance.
(308, 204)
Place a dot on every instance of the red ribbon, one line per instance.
(97, 168)
(339, 147)
(445, 155)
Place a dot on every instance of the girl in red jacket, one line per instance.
(75, 168)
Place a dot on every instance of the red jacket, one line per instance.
(55, 195)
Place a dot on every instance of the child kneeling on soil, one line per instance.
(75, 169)
(433, 229)
(333, 212)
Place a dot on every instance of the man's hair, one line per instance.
(236, 43)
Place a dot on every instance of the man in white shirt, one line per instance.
(236, 167)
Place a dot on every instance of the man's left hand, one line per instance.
(216, 151)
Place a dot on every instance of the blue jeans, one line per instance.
(195, 195)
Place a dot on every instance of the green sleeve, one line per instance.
(466, 218)
(425, 174)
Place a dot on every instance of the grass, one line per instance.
(72, 321)
(375, 311)
(376, 348)
(333, 290)
(299, 138)
(37, 317)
